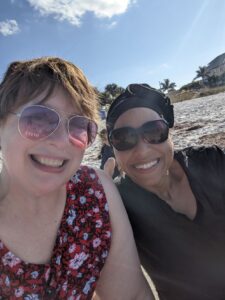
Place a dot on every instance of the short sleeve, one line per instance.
(207, 168)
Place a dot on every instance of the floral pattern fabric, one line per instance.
(81, 248)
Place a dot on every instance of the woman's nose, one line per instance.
(61, 133)
(142, 144)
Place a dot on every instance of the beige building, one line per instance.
(216, 66)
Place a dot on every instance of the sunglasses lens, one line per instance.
(124, 138)
(155, 132)
(37, 122)
(82, 130)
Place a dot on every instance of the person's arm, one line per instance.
(121, 277)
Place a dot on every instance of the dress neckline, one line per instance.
(20, 261)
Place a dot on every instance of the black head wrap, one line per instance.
(140, 95)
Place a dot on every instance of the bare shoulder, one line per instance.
(121, 277)
(117, 210)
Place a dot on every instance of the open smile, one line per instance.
(147, 165)
(47, 161)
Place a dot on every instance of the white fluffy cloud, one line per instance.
(9, 27)
(73, 10)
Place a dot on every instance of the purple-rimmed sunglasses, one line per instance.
(37, 122)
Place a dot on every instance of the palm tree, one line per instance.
(167, 85)
(111, 91)
(105, 98)
(201, 73)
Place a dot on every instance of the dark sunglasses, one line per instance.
(37, 122)
(152, 132)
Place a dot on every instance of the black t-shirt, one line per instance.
(185, 258)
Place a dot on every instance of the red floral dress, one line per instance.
(80, 250)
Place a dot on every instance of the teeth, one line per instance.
(49, 161)
(147, 165)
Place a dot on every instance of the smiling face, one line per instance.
(146, 164)
(40, 166)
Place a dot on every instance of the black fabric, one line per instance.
(185, 258)
(140, 95)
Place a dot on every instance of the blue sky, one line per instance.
(116, 41)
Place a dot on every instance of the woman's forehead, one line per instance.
(135, 117)
(58, 100)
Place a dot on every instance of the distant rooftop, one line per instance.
(216, 62)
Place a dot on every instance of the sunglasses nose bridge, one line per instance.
(141, 139)
(66, 125)
(140, 134)
(62, 128)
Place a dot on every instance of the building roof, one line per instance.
(216, 62)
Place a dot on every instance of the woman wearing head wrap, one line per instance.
(175, 199)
